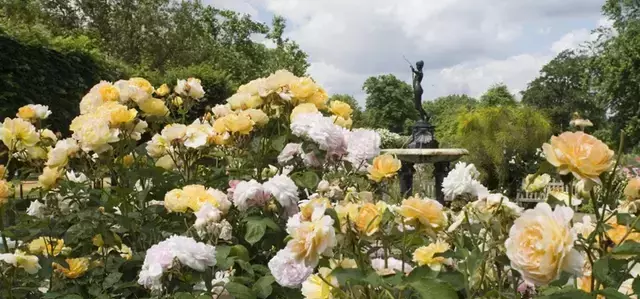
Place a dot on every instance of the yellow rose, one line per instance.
(27, 262)
(347, 213)
(306, 208)
(426, 255)
(6, 190)
(618, 231)
(257, 116)
(77, 267)
(345, 263)
(109, 93)
(303, 88)
(319, 98)
(302, 109)
(312, 238)
(341, 109)
(128, 160)
(26, 112)
(384, 166)
(18, 133)
(176, 201)
(238, 124)
(142, 84)
(345, 123)
(49, 177)
(166, 162)
(153, 106)
(540, 244)
(46, 246)
(581, 154)
(535, 185)
(177, 101)
(163, 90)
(632, 190)
(220, 139)
(117, 113)
(368, 219)
(316, 287)
(241, 101)
(193, 197)
(426, 212)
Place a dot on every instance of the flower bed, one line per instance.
(273, 195)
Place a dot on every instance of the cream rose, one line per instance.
(581, 154)
(540, 244)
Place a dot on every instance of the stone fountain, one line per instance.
(423, 148)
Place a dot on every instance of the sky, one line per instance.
(467, 45)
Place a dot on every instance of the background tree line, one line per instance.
(53, 51)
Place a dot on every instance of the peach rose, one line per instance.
(581, 154)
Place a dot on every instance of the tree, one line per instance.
(357, 116)
(388, 103)
(157, 35)
(501, 140)
(497, 95)
(564, 87)
(618, 65)
(444, 112)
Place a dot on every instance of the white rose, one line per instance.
(36, 209)
(283, 189)
(249, 194)
(540, 244)
(288, 271)
(289, 152)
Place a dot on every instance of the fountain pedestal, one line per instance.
(439, 157)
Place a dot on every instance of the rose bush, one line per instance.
(272, 195)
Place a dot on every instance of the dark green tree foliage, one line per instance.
(34, 74)
(389, 103)
(497, 95)
(357, 115)
(216, 84)
(563, 88)
(444, 112)
(618, 63)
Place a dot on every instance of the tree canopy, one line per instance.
(388, 103)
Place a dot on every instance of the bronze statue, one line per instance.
(417, 75)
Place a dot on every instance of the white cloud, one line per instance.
(475, 78)
(467, 45)
(571, 40)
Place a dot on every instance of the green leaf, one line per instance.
(455, 279)
(262, 287)
(636, 285)
(72, 296)
(566, 293)
(240, 291)
(307, 179)
(240, 252)
(182, 295)
(421, 272)
(111, 279)
(627, 247)
(353, 276)
(278, 143)
(222, 254)
(255, 230)
(601, 269)
(612, 294)
(431, 288)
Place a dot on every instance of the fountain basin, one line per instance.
(427, 155)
